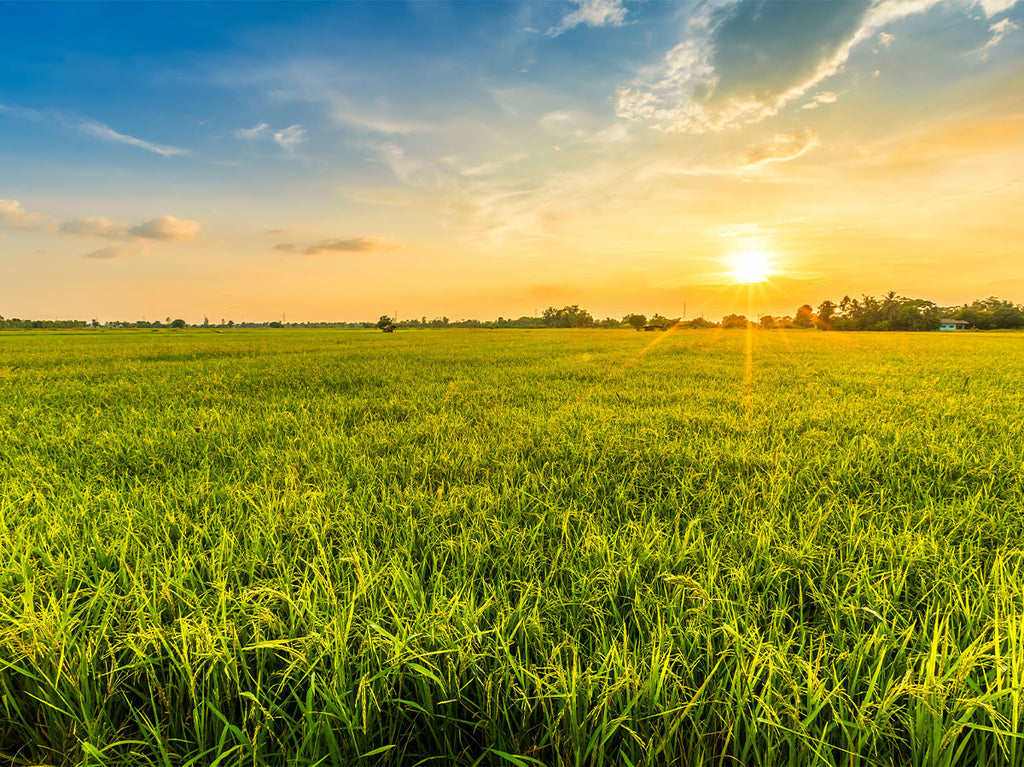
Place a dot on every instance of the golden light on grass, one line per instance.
(751, 266)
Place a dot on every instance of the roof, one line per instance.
(950, 321)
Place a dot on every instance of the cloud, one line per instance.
(136, 248)
(353, 245)
(999, 30)
(825, 97)
(253, 132)
(101, 131)
(95, 226)
(747, 60)
(995, 7)
(289, 138)
(134, 239)
(166, 228)
(781, 147)
(13, 216)
(22, 112)
(592, 13)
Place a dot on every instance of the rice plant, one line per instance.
(511, 548)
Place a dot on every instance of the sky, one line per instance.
(339, 161)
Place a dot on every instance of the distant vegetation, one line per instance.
(890, 312)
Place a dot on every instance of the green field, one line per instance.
(511, 547)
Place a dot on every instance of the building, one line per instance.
(948, 324)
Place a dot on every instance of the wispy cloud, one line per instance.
(289, 138)
(257, 130)
(825, 97)
(705, 83)
(591, 13)
(95, 226)
(999, 30)
(351, 245)
(136, 248)
(781, 147)
(22, 112)
(105, 132)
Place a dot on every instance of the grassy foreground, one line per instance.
(503, 547)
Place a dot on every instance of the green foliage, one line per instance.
(567, 317)
(992, 313)
(635, 321)
(734, 321)
(572, 548)
(804, 317)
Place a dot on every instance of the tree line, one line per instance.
(889, 312)
(893, 312)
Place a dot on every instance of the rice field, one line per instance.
(511, 548)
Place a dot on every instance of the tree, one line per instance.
(804, 317)
(635, 321)
(767, 322)
(386, 324)
(567, 317)
(891, 304)
(734, 321)
(179, 323)
(1006, 315)
(699, 323)
(826, 310)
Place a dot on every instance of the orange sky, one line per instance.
(337, 163)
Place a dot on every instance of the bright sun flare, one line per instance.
(750, 266)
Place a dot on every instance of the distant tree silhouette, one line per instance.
(804, 317)
(635, 321)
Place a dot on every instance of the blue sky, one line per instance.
(335, 161)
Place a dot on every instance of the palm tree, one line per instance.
(891, 305)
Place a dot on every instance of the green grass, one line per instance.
(500, 547)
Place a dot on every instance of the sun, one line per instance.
(751, 266)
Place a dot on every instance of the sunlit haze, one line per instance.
(480, 159)
(750, 266)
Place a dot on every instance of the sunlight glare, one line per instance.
(750, 266)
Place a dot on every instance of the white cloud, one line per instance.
(166, 228)
(289, 138)
(105, 132)
(253, 132)
(994, 7)
(999, 30)
(682, 92)
(885, 39)
(592, 13)
(13, 216)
